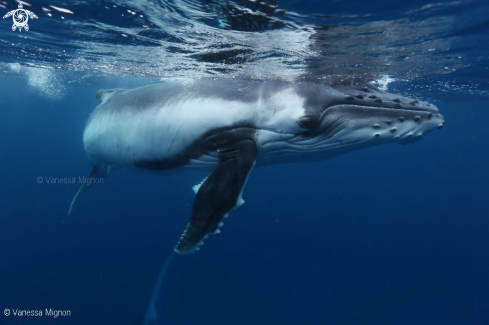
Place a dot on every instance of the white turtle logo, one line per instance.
(20, 17)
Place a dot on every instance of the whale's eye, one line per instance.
(307, 122)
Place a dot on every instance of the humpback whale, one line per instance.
(229, 127)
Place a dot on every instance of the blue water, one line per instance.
(387, 235)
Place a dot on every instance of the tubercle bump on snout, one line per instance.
(371, 96)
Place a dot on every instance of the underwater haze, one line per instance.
(392, 234)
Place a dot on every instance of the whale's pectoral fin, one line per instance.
(196, 187)
(219, 194)
(86, 182)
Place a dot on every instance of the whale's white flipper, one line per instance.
(151, 315)
(196, 188)
(86, 183)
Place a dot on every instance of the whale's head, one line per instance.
(350, 117)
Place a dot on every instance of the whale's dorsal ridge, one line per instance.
(103, 94)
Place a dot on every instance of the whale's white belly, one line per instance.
(117, 138)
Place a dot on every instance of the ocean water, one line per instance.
(386, 235)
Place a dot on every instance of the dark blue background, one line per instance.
(387, 235)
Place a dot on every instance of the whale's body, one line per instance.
(230, 126)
